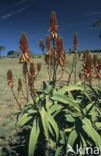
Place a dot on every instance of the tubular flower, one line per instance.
(25, 70)
(46, 60)
(41, 45)
(24, 56)
(94, 60)
(60, 52)
(19, 85)
(23, 43)
(38, 67)
(75, 40)
(98, 68)
(53, 25)
(48, 44)
(32, 69)
(30, 82)
(10, 78)
(88, 68)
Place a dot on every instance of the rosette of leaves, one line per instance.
(38, 117)
(69, 115)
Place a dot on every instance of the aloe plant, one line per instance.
(65, 117)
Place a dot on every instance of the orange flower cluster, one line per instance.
(32, 76)
(10, 78)
(30, 82)
(60, 53)
(58, 56)
(24, 56)
(97, 66)
(91, 67)
(41, 45)
(75, 40)
(25, 71)
(94, 60)
(19, 85)
(38, 67)
(48, 44)
(53, 25)
(32, 69)
(87, 67)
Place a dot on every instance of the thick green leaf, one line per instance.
(48, 102)
(33, 137)
(69, 118)
(44, 117)
(66, 100)
(23, 119)
(69, 88)
(62, 135)
(71, 139)
(49, 127)
(52, 143)
(31, 111)
(59, 151)
(49, 88)
(54, 125)
(88, 108)
(54, 108)
(98, 125)
(91, 132)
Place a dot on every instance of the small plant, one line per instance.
(75, 60)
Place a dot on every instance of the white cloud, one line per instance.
(93, 13)
(21, 2)
(10, 14)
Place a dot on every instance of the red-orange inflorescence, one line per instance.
(19, 85)
(94, 60)
(10, 78)
(38, 67)
(53, 25)
(30, 82)
(25, 70)
(98, 68)
(24, 56)
(32, 69)
(48, 44)
(41, 45)
(87, 67)
(75, 40)
(23, 43)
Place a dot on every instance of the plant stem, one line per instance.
(75, 67)
(70, 73)
(54, 68)
(19, 105)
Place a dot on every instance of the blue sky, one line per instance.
(33, 16)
